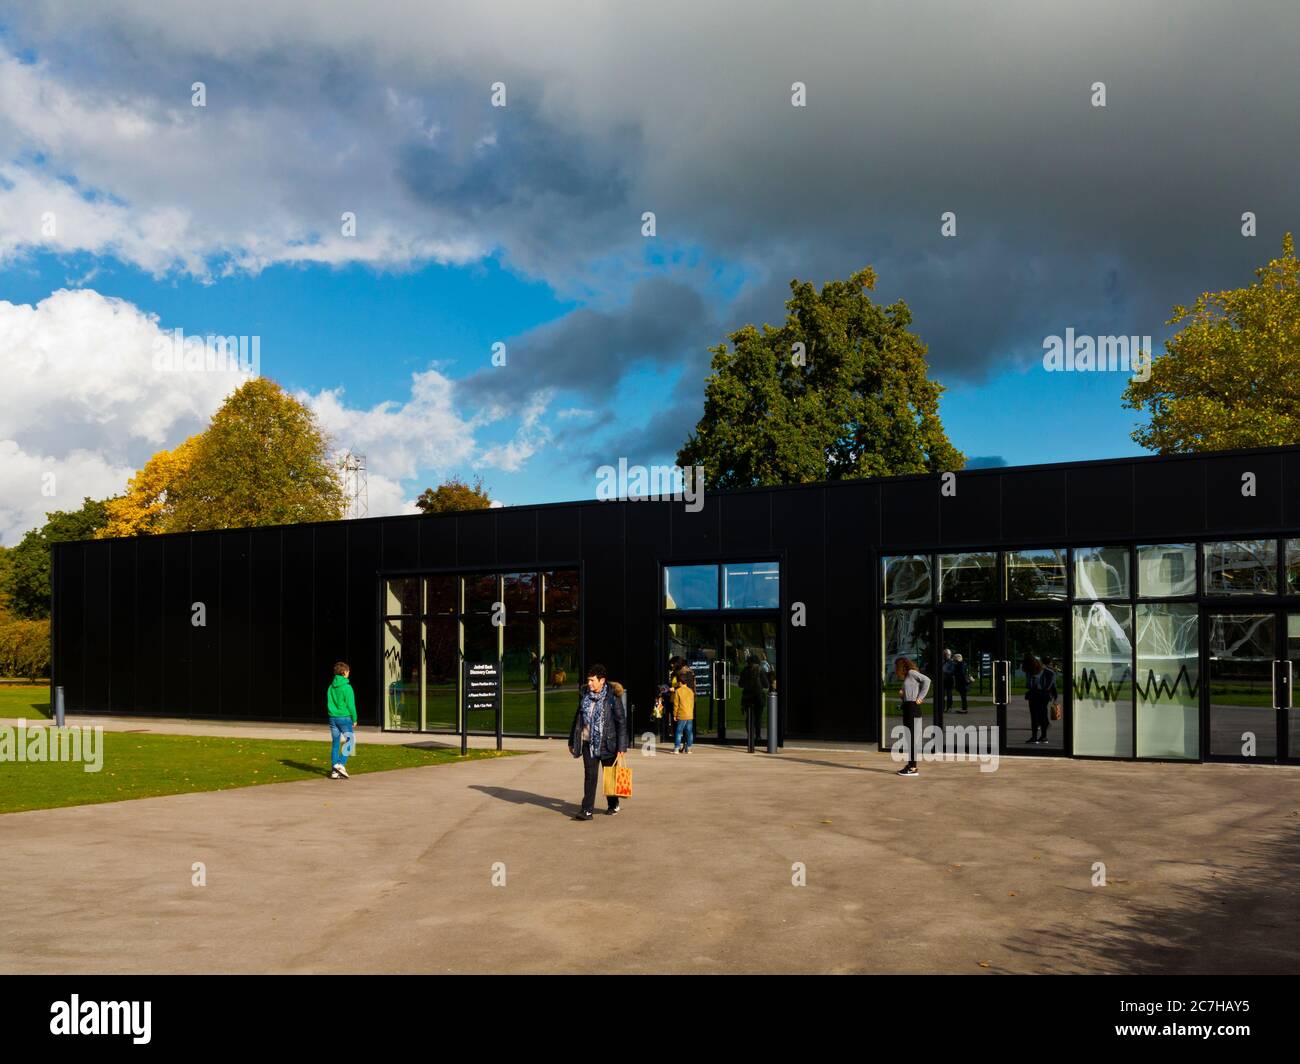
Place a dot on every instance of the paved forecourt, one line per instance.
(957, 870)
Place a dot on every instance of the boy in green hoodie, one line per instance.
(342, 708)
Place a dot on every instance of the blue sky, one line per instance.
(126, 211)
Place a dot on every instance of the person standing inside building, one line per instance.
(684, 711)
(1040, 691)
(916, 685)
(598, 736)
(949, 680)
(341, 705)
(753, 693)
(961, 681)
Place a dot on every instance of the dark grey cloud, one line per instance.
(1068, 215)
(589, 350)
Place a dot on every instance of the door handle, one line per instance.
(1001, 670)
(1282, 685)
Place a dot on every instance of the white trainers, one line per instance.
(343, 772)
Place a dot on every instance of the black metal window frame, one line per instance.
(463, 571)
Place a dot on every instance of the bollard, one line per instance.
(771, 722)
(58, 707)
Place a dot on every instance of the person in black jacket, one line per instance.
(1040, 692)
(598, 736)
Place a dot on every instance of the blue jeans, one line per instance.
(339, 728)
(686, 727)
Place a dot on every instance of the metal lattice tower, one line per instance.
(352, 472)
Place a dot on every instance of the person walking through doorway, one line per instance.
(341, 705)
(916, 685)
(598, 736)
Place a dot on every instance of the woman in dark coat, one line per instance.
(598, 736)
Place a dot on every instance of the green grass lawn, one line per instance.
(144, 766)
(24, 700)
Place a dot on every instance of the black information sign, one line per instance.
(482, 689)
(703, 669)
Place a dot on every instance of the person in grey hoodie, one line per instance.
(342, 707)
(916, 685)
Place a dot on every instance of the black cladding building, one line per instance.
(1162, 593)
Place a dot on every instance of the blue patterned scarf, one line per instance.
(593, 717)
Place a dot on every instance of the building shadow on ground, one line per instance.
(838, 764)
(509, 794)
(1239, 919)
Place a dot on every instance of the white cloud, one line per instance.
(82, 399)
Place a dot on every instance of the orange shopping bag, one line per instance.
(618, 778)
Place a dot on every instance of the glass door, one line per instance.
(962, 687)
(1291, 664)
(1242, 652)
(1035, 655)
(749, 654)
(699, 643)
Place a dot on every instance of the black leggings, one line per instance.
(909, 718)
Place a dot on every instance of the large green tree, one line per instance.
(856, 400)
(1228, 378)
(27, 566)
(262, 461)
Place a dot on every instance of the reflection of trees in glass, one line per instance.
(967, 577)
(1241, 567)
(561, 594)
(907, 579)
(907, 634)
(1034, 575)
(1102, 651)
(1168, 643)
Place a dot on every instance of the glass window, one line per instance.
(907, 579)
(520, 594)
(904, 634)
(402, 673)
(481, 594)
(402, 597)
(1241, 567)
(751, 585)
(1166, 570)
(1101, 572)
(1293, 566)
(1168, 680)
(968, 577)
(691, 587)
(519, 674)
(441, 593)
(1035, 575)
(560, 672)
(560, 591)
(441, 674)
(1103, 671)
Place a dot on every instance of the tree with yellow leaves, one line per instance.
(1230, 377)
(143, 509)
